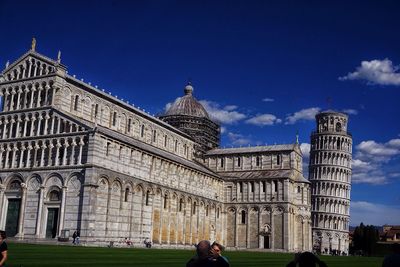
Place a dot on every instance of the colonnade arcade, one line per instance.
(27, 95)
(30, 67)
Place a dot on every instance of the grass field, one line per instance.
(45, 255)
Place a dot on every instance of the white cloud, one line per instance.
(304, 114)
(230, 107)
(375, 214)
(378, 151)
(268, 99)
(264, 119)
(350, 111)
(223, 129)
(375, 72)
(223, 115)
(305, 149)
(238, 139)
(370, 162)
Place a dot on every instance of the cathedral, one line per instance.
(74, 157)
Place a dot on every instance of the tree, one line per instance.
(365, 239)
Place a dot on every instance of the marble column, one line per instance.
(40, 210)
(22, 211)
(62, 209)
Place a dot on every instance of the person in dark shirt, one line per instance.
(306, 259)
(3, 248)
(205, 258)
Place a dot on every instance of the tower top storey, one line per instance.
(331, 121)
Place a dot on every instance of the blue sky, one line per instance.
(262, 68)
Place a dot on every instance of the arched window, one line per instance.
(176, 146)
(108, 148)
(180, 204)
(241, 187)
(76, 103)
(129, 125)
(222, 162)
(165, 140)
(298, 189)
(217, 213)
(15, 185)
(276, 186)
(147, 197)
(278, 159)
(243, 216)
(252, 187)
(165, 201)
(338, 127)
(194, 208)
(239, 163)
(114, 120)
(257, 161)
(126, 194)
(154, 135)
(142, 130)
(54, 195)
(207, 210)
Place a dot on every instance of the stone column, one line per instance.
(10, 129)
(52, 124)
(1, 159)
(8, 149)
(40, 118)
(14, 153)
(272, 229)
(72, 159)
(260, 240)
(32, 124)
(22, 212)
(43, 147)
(81, 144)
(33, 89)
(17, 131)
(5, 128)
(62, 209)
(25, 104)
(50, 160)
(26, 121)
(46, 123)
(22, 156)
(28, 156)
(30, 67)
(58, 146)
(248, 228)
(66, 145)
(12, 99)
(2, 218)
(39, 214)
(36, 147)
(19, 97)
(47, 87)
(40, 89)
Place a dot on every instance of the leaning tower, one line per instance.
(330, 177)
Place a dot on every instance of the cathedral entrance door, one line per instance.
(52, 223)
(266, 242)
(12, 216)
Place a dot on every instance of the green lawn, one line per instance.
(44, 255)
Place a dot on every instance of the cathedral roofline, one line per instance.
(254, 149)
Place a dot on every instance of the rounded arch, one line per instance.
(54, 178)
(34, 182)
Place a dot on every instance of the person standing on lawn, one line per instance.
(3, 248)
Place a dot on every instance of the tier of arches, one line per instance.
(331, 123)
(28, 68)
(102, 112)
(148, 211)
(27, 95)
(331, 189)
(331, 158)
(44, 153)
(331, 142)
(36, 193)
(330, 173)
(267, 227)
(36, 123)
(332, 222)
(328, 205)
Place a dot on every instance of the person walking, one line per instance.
(74, 238)
(3, 248)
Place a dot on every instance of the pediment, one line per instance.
(29, 65)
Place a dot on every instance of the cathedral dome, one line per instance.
(187, 105)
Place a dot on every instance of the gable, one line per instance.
(29, 65)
